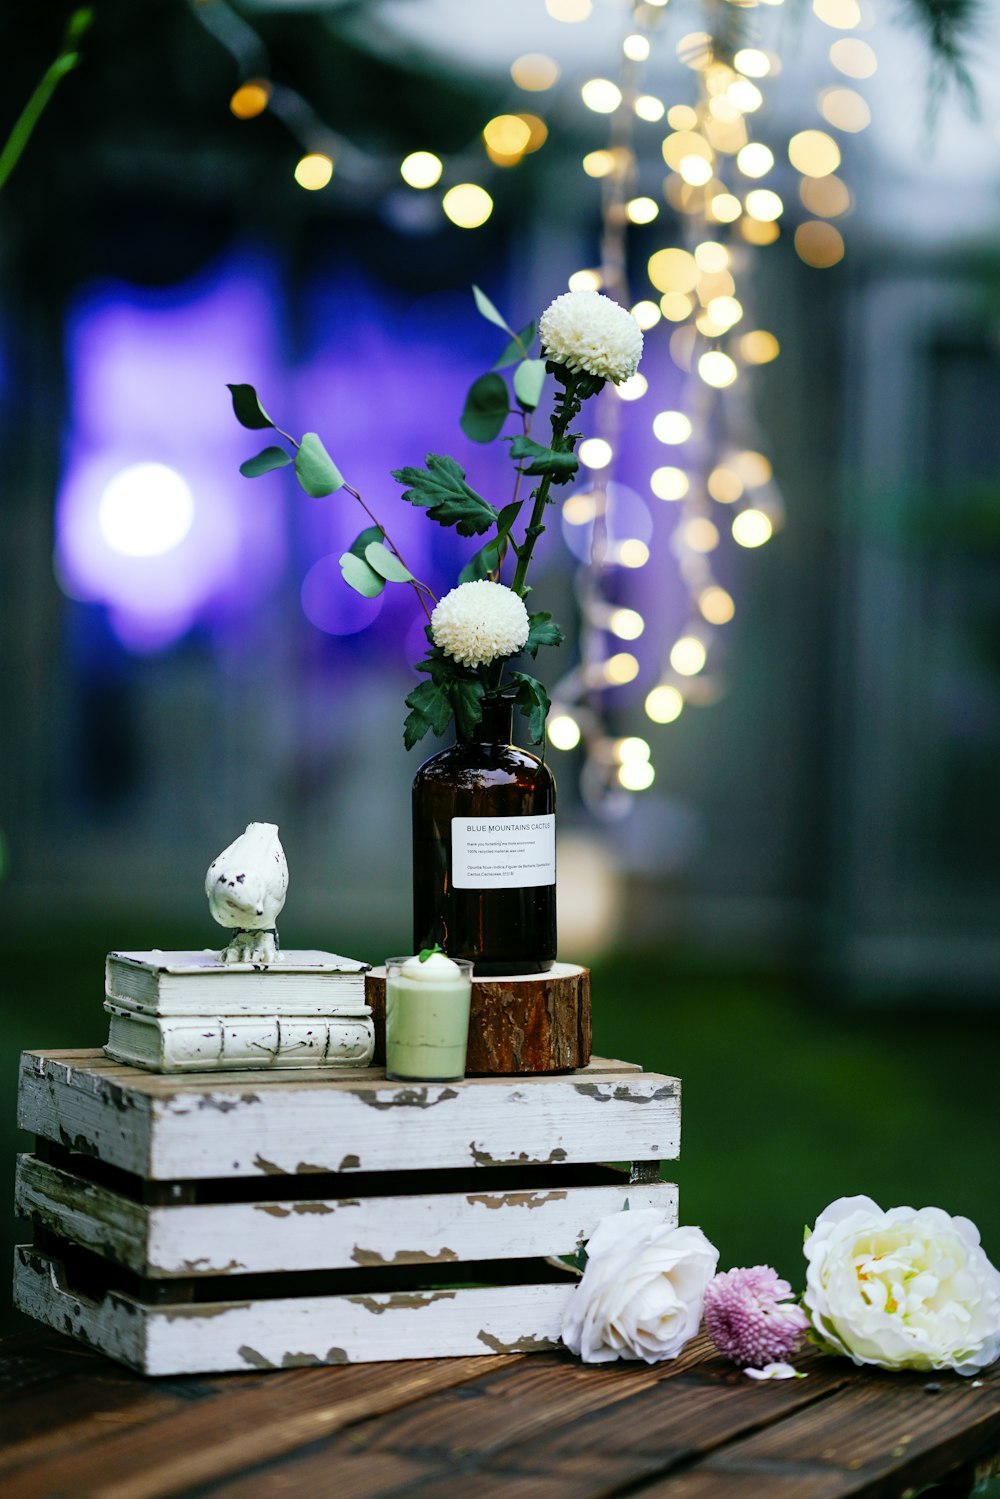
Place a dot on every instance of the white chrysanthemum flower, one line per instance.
(587, 331)
(477, 622)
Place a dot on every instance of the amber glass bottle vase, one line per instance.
(484, 851)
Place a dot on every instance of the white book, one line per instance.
(217, 1043)
(303, 982)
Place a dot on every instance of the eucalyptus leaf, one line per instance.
(560, 466)
(489, 312)
(529, 379)
(487, 407)
(364, 539)
(360, 576)
(247, 408)
(441, 490)
(264, 462)
(316, 470)
(386, 563)
(518, 347)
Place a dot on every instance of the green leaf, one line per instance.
(364, 539)
(431, 709)
(529, 378)
(518, 347)
(542, 630)
(481, 563)
(247, 408)
(487, 407)
(489, 312)
(441, 490)
(467, 703)
(561, 466)
(508, 516)
(428, 952)
(264, 462)
(386, 563)
(316, 470)
(533, 701)
(359, 576)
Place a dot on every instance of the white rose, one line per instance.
(642, 1290)
(903, 1289)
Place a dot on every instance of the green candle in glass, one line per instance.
(427, 1004)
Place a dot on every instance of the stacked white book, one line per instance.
(191, 1012)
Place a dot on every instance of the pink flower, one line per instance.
(750, 1319)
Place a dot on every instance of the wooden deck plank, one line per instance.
(553, 1426)
(248, 1419)
(877, 1436)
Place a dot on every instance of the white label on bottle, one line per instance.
(503, 853)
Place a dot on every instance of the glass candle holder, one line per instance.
(427, 1018)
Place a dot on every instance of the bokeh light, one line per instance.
(421, 169)
(752, 528)
(145, 510)
(314, 171)
(467, 205)
(664, 704)
(535, 72)
(819, 244)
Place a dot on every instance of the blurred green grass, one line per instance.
(789, 1100)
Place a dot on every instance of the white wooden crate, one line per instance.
(224, 1222)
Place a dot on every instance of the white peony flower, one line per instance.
(642, 1291)
(587, 331)
(477, 622)
(903, 1289)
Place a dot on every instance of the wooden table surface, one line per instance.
(74, 1424)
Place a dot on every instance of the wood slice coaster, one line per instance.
(536, 1022)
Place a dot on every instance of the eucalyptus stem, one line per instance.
(508, 540)
(419, 588)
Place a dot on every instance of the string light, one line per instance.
(752, 528)
(601, 95)
(669, 483)
(535, 72)
(421, 169)
(688, 656)
(671, 427)
(595, 452)
(467, 205)
(563, 731)
(627, 624)
(664, 704)
(314, 171)
(251, 98)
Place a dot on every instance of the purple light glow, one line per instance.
(330, 605)
(148, 374)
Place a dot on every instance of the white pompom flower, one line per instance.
(587, 331)
(478, 622)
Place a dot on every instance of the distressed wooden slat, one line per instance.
(95, 1060)
(288, 1332)
(226, 1238)
(238, 1128)
(247, 1420)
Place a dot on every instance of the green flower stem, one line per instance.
(419, 588)
(568, 409)
(32, 112)
(508, 539)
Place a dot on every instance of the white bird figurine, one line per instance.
(246, 887)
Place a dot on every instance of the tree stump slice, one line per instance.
(536, 1022)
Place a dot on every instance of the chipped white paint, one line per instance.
(278, 1334)
(236, 1238)
(278, 1128)
(166, 1128)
